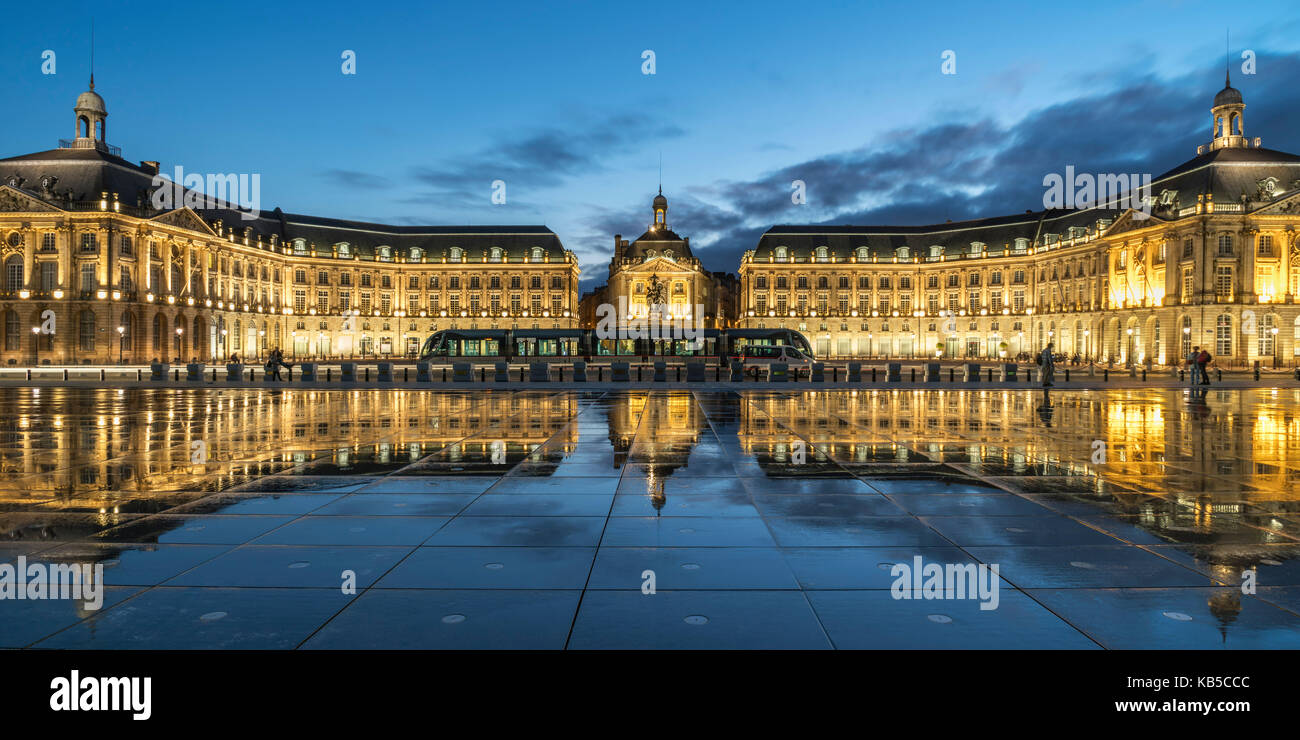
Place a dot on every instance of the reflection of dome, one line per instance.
(90, 101)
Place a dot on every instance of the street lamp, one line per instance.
(36, 344)
(1276, 359)
(179, 332)
(261, 343)
(121, 337)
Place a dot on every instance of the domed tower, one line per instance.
(1227, 112)
(660, 222)
(92, 120)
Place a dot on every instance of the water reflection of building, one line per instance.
(132, 451)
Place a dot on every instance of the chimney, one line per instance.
(150, 166)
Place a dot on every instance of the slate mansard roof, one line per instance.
(79, 177)
(1252, 176)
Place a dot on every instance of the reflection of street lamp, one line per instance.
(36, 344)
(121, 338)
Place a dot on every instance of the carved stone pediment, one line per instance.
(12, 200)
(184, 218)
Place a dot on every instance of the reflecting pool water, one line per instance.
(433, 519)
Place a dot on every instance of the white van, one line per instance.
(757, 359)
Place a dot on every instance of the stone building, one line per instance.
(660, 259)
(101, 274)
(1209, 257)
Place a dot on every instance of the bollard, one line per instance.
(990, 375)
(214, 375)
(101, 373)
(138, 376)
(29, 374)
(1256, 372)
(328, 373)
(444, 375)
(1182, 375)
(1105, 375)
(176, 375)
(835, 374)
(950, 375)
(1219, 371)
(406, 374)
(600, 373)
(873, 375)
(367, 374)
(679, 373)
(1067, 375)
(913, 374)
(1144, 374)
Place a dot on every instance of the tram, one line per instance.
(507, 344)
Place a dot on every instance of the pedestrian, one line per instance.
(1048, 361)
(272, 367)
(1193, 375)
(234, 358)
(1203, 365)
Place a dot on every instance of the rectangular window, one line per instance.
(1189, 284)
(1223, 281)
(322, 301)
(1266, 246)
(89, 282)
(89, 242)
(299, 301)
(48, 243)
(345, 300)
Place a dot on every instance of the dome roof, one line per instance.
(660, 200)
(1228, 96)
(90, 101)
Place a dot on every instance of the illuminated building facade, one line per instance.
(1215, 263)
(658, 268)
(80, 238)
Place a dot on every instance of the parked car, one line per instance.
(758, 359)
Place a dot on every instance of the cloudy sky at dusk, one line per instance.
(550, 98)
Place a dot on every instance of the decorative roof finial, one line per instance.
(92, 53)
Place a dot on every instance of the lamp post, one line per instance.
(179, 332)
(261, 343)
(1276, 355)
(121, 337)
(1128, 349)
(223, 344)
(36, 345)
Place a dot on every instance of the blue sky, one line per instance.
(746, 97)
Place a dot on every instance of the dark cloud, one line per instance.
(977, 168)
(542, 158)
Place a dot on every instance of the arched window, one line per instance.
(416, 254)
(345, 249)
(782, 254)
(86, 331)
(537, 254)
(821, 254)
(1223, 336)
(1022, 244)
(385, 253)
(863, 254)
(14, 273)
(300, 246)
(1267, 340)
(457, 254)
(494, 255)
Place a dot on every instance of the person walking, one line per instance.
(1203, 365)
(1048, 362)
(1192, 372)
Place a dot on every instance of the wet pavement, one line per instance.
(280, 519)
